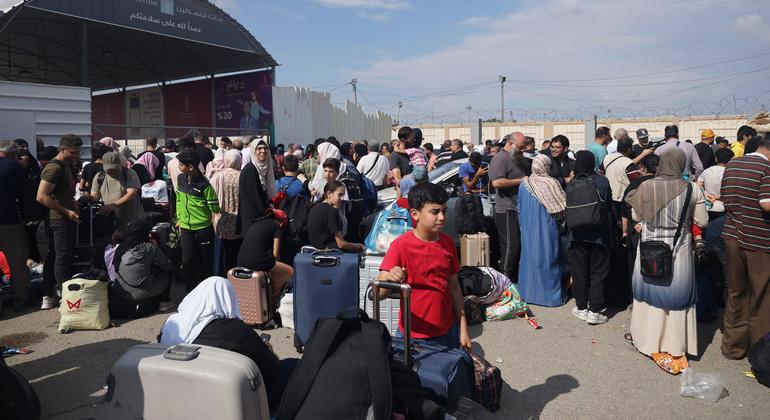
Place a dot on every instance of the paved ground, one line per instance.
(566, 370)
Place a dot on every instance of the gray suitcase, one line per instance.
(388, 308)
(159, 381)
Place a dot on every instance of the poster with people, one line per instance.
(245, 102)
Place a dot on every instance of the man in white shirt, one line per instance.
(620, 133)
(374, 166)
(711, 181)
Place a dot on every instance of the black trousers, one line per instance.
(509, 237)
(61, 248)
(590, 264)
(230, 248)
(197, 255)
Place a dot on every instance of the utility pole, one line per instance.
(468, 108)
(355, 93)
(398, 113)
(502, 98)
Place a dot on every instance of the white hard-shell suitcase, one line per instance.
(185, 381)
(388, 308)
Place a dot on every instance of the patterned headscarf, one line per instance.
(545, 188)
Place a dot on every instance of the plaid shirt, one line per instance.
(309, 167)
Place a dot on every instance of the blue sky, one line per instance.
(563, 58)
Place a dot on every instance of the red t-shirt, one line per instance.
(428, 267)
(5, 268)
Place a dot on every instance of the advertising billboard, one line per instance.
(244, 102)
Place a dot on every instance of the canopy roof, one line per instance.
(126, 42)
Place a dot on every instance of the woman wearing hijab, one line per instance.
(209, 315)
(145, 167)
(225, 184)
(111, 144)
(541, 206)
(325, 151)
(663, 322)
(142, 270)
(589, 252)
(257, 185)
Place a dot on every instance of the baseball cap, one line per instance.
(706, 134)
(642, 132)
(111, 160)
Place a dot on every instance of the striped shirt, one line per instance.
(745, 184)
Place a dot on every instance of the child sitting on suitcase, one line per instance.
(426, 259)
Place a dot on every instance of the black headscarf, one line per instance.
(138, 232)
(584, 162)
(32, 171)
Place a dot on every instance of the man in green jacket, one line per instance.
(195, 202)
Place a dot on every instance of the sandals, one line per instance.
(670, 364)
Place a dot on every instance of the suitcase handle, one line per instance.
(242, 273)
(406, 308)
(181, 352)
(326, 261)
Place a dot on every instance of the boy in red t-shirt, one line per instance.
(426, 259)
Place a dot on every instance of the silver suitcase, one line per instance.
(388, 308)
(185, 381)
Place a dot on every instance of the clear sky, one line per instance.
(562, 58)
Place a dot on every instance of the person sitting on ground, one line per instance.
(473, 173)
(119, 188)
(289, 183)
(324, 224)
(141, 269)
(261, 249)
(209, 315)
(426, 259)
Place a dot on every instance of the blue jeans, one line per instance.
(450, 339)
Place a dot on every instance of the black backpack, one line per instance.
(344, 371)
(297, 209)
(18, 399)
(352, 182)
(759, 358)
(585, 207)
(469, 215)
(474, 282)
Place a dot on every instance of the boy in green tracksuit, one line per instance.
(195, 202)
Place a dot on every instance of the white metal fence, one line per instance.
(301, 115)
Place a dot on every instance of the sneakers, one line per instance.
(166, 306)
(580, 314)
(595, 318)
(49, 302)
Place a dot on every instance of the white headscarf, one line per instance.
(325, 151)
(214, 298)
(264, 167)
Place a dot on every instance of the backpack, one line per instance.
(345, 362)
(18, 400)
(297, 209)
(102, 174)
(473, 282)
(585, 207)
(369, 191)
(469, 215)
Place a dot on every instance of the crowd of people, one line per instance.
(566, 223)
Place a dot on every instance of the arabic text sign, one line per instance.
(244, 101)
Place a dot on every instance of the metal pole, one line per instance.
(355, 93)
(213, 105)
(84, 54)
(502, 98)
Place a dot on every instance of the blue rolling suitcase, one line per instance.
(446, 374)
(325, 284)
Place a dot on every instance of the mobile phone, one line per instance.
(265, 337)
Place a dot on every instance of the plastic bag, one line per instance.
(705, 386)
(84, 305)
(389, 225)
